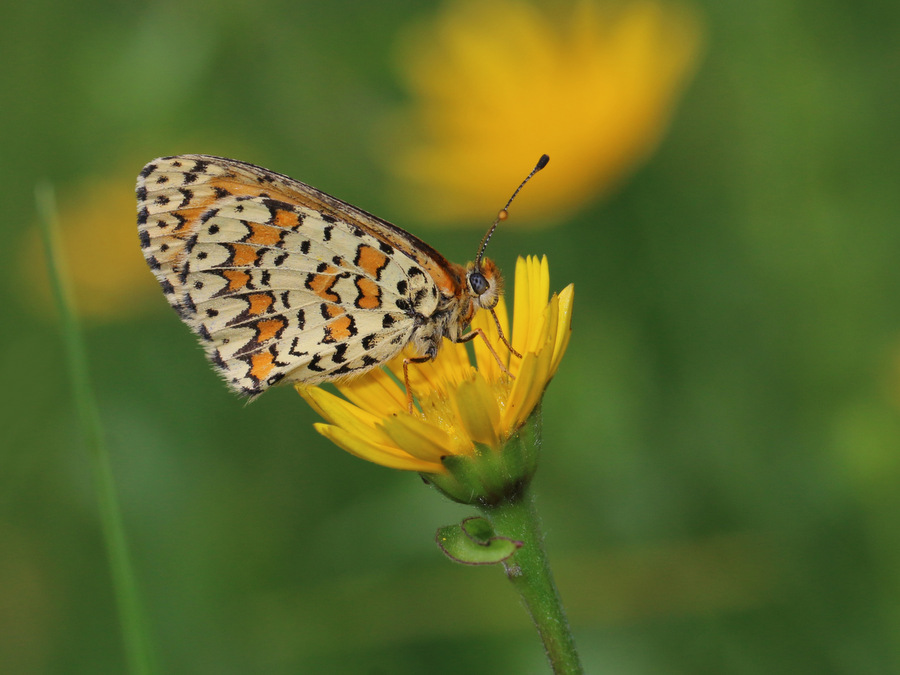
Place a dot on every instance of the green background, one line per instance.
(721, 470)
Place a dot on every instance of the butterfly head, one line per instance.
(484, 284)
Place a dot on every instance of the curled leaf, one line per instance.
(473, 542)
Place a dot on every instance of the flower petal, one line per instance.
(519, 392)
(521, 312)
(487, 363)
(418, 438)
(454, 367)
(373, 452)
(345, 414)
(439, 374)
(527, 389)
(538, 285)
(564, 331)
(375, 391)
(478, 411)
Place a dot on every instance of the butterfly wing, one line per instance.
(279, 281)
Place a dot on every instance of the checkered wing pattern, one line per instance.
(281, 282)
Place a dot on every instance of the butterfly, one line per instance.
(284, 283)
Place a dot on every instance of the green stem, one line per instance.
(529, 572)
(137, 644)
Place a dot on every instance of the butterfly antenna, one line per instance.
(504, 213)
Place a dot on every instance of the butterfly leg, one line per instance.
(468, 337)
(471, 335)
(502, 336)
(406, 362)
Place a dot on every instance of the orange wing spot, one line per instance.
(371, 260)
(287, 219)
(264, 235)
(237, 188)
(261, 365)
(369, 294)
(199, 205)
(339, 329)
(321, 284)
(268, 329)
(259, 303)
(333, 310)
(243, 255)
(190, 216)
(236, 279)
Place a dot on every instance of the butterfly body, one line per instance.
(284, 283)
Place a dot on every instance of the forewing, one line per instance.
(276, 287)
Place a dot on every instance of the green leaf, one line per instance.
(473, 542)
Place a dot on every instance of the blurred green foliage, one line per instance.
(722, 443)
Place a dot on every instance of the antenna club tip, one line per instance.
(542, 162)
(503, 214)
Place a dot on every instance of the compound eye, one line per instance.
(478, 283)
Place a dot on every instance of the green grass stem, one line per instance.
(135, 636)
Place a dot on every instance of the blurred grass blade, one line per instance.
(137, 643)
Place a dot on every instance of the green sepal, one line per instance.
(473, 542)
(490, 476)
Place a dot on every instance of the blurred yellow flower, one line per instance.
(496, 83)
(100, 248)
(461, 405)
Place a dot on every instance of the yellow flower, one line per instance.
(463, 408)
(100, 248)
(496, 83)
